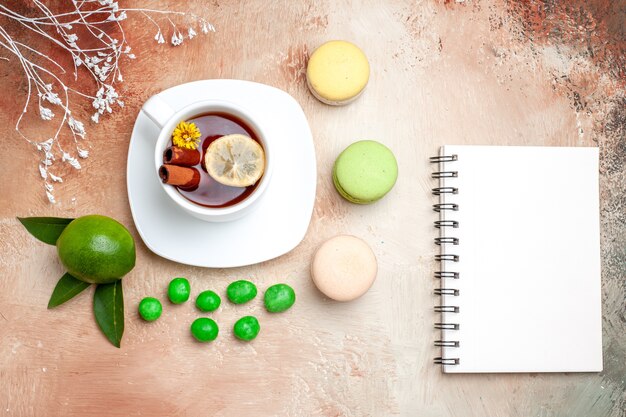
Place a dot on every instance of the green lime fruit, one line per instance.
(247, 328)
(178, 291)
(150, 309)
(204, 329)
(279, 297)
(208, 301)
(241, 291)
(96, 249)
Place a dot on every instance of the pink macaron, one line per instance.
(344, 268)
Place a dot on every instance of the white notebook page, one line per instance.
(529, 247)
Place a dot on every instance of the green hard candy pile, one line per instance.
(277, 298)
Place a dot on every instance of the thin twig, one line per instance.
(100, 63)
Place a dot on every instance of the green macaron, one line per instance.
(365, 171)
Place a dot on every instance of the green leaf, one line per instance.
(66, 289)
(46, 229)
(108, 306)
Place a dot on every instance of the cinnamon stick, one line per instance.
(182, 177)
(180, 156)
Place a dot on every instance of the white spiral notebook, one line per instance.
(519, 232)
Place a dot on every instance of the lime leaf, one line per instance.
(66, 289)
(46, 229)
(108, 307)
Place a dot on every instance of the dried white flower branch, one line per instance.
(101, 63)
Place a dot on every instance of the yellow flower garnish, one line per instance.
(186, 135)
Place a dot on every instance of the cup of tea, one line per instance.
(203, 197)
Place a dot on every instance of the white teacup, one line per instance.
(167, 119)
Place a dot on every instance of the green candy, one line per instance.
(204, 329)
(247, 328)
(208, 301)
(241, 291)
(279, 297)
(150, 309)
(178, 290)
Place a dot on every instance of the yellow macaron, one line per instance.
(337, 72)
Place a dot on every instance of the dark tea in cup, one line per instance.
(186, 169)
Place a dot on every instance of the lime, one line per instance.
(96, 249)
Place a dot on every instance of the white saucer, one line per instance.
(280, 222)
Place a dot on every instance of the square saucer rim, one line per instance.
(251, 260)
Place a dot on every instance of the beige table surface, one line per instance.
(442, 72)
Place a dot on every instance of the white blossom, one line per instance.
(43, 172)
(71, 160)
(206, 27)
(177, 38)
(45, 113)
(50, 197)
(46, 145)
(98, 60)
(55, 178)
(76, 126)
(52, 97)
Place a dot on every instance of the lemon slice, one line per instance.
(235, 160)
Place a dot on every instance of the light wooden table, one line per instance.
(475, 72)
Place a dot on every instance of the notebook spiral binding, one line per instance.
(441, 241)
